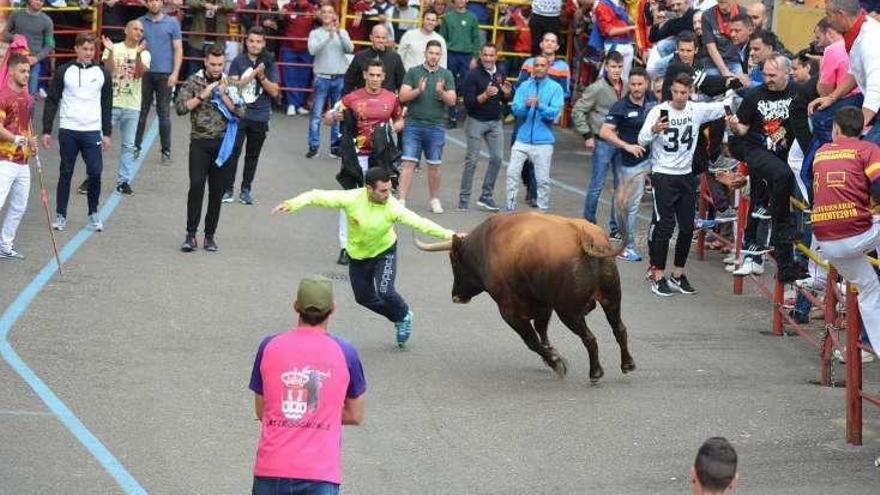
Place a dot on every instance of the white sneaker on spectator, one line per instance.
(303, 111)
(435, 205)
(731, 259)
(840, 355)
(291, 110)
(806, 283)
(747, 268)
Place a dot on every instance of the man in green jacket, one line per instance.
(461, 30)
(372, 244)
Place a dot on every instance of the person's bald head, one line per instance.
(379, 37)
(758, 13)
(134, 32)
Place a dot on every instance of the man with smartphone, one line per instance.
(671, 130)
(485, 92)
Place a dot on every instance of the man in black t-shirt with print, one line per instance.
(764, 120)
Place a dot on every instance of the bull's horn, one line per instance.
(434, 246)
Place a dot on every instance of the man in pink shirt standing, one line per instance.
(307, 384)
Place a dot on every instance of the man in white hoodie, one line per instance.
(83, 91)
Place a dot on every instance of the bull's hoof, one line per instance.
(628, 366)
(596, 375)
(560, 366)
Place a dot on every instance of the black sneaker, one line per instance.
(661, 287)
(682, 284)
(84, 187)
(189, 244)
(124, 188)
(313, 152)
(792, 273)
(210, 245)
(335, 153)
(343, 258)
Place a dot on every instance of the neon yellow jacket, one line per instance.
(370, 225)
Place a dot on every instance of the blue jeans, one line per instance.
(327, 92)
(289, 486)
(419, 139)
(823, 120)
(72, 143)
(634, 199)
(34, 80)
(296, 77)
(372, 281)
(605, 156)
(459, 64)
(126, 120)
(733, 67)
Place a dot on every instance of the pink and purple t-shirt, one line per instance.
(304, 375)
(835, 65)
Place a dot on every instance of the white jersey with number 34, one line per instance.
(672, 151)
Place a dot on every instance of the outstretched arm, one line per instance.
(315, 197)
(423, 225)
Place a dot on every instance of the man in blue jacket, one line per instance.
(537, 102)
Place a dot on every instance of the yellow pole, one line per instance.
(343, 12)
(495, 25)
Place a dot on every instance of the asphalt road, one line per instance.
(151, 349)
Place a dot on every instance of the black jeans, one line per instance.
(372, 281)
(764, 165)
(202, 153)
(255, 133)
(674, 202)
(155, 84)
(539, 25)
(71, 144)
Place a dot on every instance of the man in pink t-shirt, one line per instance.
(307, 384)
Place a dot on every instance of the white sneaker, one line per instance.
(60, 222)
(731, 259)
(806, 283)
(10, 254)
(303, 111)
(747, 268)
(839, 354)
(291, 110)
(435, 205)
(95, 223)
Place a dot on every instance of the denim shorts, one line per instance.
(419, 138)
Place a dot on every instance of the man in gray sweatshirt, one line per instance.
(328, 44)
(37, 27)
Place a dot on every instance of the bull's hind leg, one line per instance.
(577, 323)
(610, 302)
(529, 335)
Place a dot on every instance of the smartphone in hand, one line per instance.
(664, 114)
(727, 110)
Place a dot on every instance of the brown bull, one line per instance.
(533, 264)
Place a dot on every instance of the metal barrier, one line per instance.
(64, 30)
(835, 322)
(237, 37)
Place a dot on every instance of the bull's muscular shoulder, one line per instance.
(531, 232)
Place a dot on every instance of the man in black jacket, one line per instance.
(685, 60)
(394, 71)
(485, 92)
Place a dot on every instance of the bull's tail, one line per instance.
(601, 247)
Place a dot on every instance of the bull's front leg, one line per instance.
(523, 326)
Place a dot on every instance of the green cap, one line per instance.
(315, 293)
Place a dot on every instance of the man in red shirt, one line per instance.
(846, 180)
(300, 19)
(372, 107)
(16, 145)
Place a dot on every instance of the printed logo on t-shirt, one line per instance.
(252, 90)
(774, 113)
(302, 392)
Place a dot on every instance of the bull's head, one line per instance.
(466, 281)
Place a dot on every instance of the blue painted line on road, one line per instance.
(558, 183)
(20, 305)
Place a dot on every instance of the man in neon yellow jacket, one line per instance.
(372, 243)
